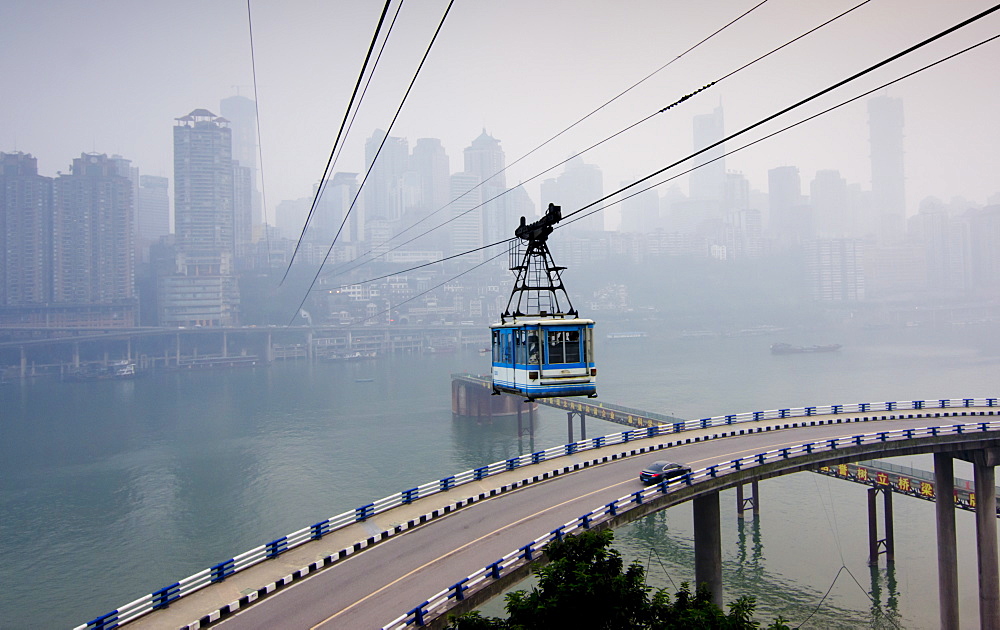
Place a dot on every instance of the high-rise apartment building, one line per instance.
(885, 128)
(201, 289)
(91, 247)
(25, 232)
(831, 207)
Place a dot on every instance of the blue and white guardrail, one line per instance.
(515, 559)
(163, 597)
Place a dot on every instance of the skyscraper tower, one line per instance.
(885, 128)
(709, 181)
(241, 112)
(383, 190)
(485, 159)
(202, 289)
(25, 232)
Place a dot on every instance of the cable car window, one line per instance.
(520, 347)
(496, 346)
(564, 346)
(533, 347)
(508, 354)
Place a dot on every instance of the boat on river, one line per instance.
(787, 348)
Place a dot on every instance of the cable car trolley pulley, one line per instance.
(541, 347)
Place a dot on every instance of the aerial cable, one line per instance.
(749, 144)
(347, 214)
(435, 287)
(260, 151)
(795, 106)
(571, 126)
(329, 162)
(770, 135)
(340, 271)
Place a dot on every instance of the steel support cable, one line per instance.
(341, 270)
(672, 177)
(399, 109)
(571, 126)
(350, 105)
(809, 99)
(435, 287)
(782, 130)
(260, 151)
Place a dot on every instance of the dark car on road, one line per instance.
(662, 471)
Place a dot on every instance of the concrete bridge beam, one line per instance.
(708, 545)
(947, 550)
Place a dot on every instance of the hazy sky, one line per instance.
(110, 76)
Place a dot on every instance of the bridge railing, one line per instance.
(222, 570)
(515, 559)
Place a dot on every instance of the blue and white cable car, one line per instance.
(541, 348)
(540, 357)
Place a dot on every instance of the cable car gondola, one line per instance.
(541, 347)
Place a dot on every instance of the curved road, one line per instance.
(371, 589)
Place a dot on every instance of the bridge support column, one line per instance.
(583, 424)
(947, 552)
(877, 546)
(708, 545)
(752, 502)
(986, 538)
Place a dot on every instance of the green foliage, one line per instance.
(587, 585)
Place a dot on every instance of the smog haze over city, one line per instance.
(112, 77)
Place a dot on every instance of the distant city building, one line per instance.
(431, 165)
(201, 288)
(640, 213)
(985, 234)
(153, 213)
(831, 209)
(383, 192)
(485, 159)
(241, 112)
(791, 220)
(93, 274)
(466, 228)
(243, 216)
(579, 186)
(835, 268)
(25, 232)
(885, 124)
(708, 182)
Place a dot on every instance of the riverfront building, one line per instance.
(201, 288)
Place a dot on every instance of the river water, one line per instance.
(110, 490)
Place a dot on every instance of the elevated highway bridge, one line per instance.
(449, 545)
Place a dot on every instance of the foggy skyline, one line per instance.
(112, 81)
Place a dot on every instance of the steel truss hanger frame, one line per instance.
(538, 287)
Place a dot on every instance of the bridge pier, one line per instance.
(947, 550)
(743, 503)
(877, 546)
(986, 537)
(708, 545)
(583, 425)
